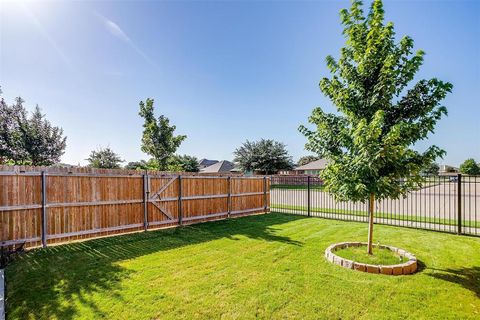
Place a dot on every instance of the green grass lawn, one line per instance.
(383, 215)
(379, 257)
(268, 266)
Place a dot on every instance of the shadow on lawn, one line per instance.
(43, 283)
(469, 278)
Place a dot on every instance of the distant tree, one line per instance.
(28, 139)
(43, 142)
(183, 163)
(158, 138)
(11, 149)
(266, 156)
(470, 167)
(176, 163)
(431, 170)
(368, 142)
(307, 159)
(104, 158)
(136, 165)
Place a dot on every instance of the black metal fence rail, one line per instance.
(444, 203)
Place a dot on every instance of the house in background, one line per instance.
(223, 166)
(445, 169)
(312, 168)
(206, 163)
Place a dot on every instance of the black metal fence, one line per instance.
(444, 203)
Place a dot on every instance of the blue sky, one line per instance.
(223, 72)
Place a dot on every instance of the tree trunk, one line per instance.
(371, 205)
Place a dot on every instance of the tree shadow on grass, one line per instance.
(421, 266)
(469, 278)
(44, 283)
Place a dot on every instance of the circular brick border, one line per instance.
(408, 267)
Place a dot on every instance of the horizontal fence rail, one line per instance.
(443, 203)
(48, 206)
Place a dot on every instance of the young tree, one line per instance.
(158, 138)
(368, 142)
(470, 167)
(307, 159)
(28, 140)
(104, 158)
(266, 156)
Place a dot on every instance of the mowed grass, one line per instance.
(315, 187)
(382, 215)
(379, 256)
(266, 266)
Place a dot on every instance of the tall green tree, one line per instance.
(104, 158)
(266, 156)
(380, 116)
(11, 148)
(307, 159)
(158, 138)
(28, 139)
(470, 167)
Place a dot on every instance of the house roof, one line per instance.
(314, 165)
(222, 166)
(206, 162)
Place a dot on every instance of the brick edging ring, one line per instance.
(408, 267)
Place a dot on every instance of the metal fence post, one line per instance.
(308, 196)
(229, 196)
(459, 202)
(145, 201)
(265, 193)
(180, 212)
(44, 209)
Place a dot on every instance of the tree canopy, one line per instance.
(28, 139)
(104, 158)
(158, 138)
(470, 167)
(176, 163)
(369, 140)
(266, 156)
(183, 163)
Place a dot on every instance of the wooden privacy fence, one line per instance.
(41, 208)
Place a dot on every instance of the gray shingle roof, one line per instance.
(222, 166)
(314, 165)
(206, 162)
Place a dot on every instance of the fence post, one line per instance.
(145, 201)
(265, 194)
(459, 202)
(308, 196)
(44, 209)
(229, 196)
(180, 210)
